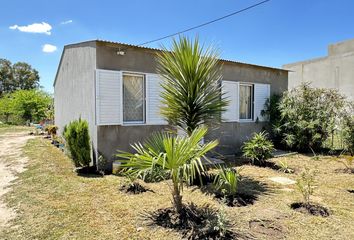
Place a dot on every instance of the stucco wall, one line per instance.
(231, 135)
(74, 89)
(113, 138)
(335, 71)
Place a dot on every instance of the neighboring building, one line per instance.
(115, 87)
(334, 71)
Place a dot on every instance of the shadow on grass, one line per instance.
(194, 222)
(88, 172)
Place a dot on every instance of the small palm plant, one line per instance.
(227, 180)
(179, 156)
(258, 149)
(192, 90)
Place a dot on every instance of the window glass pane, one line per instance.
(246, 102)
(133, 98)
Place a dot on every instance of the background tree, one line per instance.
(192, 90)
(17, 76)
(24, 76)
(6, 109)
(30, 105)
(6, 77)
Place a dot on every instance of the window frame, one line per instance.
(252, 102)
(134, 74)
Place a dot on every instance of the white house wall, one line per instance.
(74, 88)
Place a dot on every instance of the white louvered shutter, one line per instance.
(230, 91)
(153, 100)
(261, 94)
(108, 97)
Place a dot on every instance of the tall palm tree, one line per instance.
(176, 155)
(192, 90)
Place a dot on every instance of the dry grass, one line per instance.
(54, 203)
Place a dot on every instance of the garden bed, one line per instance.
(68, 206)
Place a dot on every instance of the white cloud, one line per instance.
(48, 48)
(66, 22)
(34, 28)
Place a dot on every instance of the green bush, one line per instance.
(77, 138)
(258, 149)
(309, 116)
(272, 113)
(349, 135)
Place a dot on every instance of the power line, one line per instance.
(204, 24)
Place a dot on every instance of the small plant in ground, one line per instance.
(101, 164)
(227, 180)
(179, 156)
(258, 149)
(306, 184)
(131, 185)
(220, 223)
(77, 138)
(284, 167)
(51, 130)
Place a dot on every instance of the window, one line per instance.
(246, 102)
(133, 98)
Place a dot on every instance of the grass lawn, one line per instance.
(54, 203)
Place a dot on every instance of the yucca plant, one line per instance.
(179, 156)
(191, 87)
(258, 148)
(227, 180)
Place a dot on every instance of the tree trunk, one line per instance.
(177, 198)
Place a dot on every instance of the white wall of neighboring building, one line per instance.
(334, 71)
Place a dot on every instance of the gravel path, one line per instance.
(11, 163)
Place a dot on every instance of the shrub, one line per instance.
(349, 135)
(51, 129)
(306, 184)
(309, 115)
(258, 149)
(284, 167)
(227, 180)
(272, 113)
(77, 137)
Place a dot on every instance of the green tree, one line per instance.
(30, 105)
(176, 155)
(6, 78)
(192, 90)
(6, 109)
(24, 76)
(17, 76)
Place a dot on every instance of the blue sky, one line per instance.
(278, 32)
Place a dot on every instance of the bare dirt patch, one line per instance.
(314, 209)
(11, 163)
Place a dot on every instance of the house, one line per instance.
(333, 71)
(114, 86)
